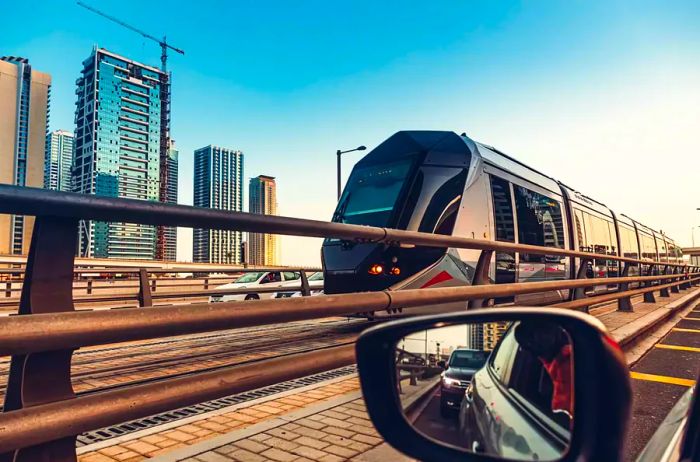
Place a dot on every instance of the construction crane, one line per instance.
(163, 43)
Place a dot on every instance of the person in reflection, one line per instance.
(552, 346)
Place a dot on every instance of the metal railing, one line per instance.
(145, 282)
(42, 421)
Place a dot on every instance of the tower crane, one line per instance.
(164, 45)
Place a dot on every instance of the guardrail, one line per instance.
(41, 421)
(145, 286)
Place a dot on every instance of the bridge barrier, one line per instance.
(42, 415)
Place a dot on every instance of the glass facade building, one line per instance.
(263, 249)
(119, 147)
(24, 119)
(59, 158)
(218, 184)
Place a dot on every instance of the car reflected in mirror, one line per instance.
(502, 389)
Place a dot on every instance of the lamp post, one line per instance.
(339, 153)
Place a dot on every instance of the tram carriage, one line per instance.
(443, 183)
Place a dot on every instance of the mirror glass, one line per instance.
(503, 388)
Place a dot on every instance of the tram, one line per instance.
(444, 183)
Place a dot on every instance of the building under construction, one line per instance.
(122, 149)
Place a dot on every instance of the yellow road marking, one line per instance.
(678, 347)
(691, 319)
(662, 379)
(681, 329)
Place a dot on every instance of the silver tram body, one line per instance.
(444, 183)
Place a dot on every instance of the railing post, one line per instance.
(206, 283)
(625, 303)
(649, 296)
(664, 291)
(154, 285)
(674, 288)
(40, 378)
(89, 286)
(481, 277)
(8, 288)
(580, 292)
(305, 289)
(144, 289)
(686, 277)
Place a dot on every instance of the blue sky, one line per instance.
(603, 95)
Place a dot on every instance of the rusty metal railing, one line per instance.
(42, 414)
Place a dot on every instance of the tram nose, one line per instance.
(347, 267)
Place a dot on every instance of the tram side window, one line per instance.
(628, 242)
(505, 231)
(502, 210)
(539, 222)
(648, 246)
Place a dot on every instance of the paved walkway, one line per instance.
(323, 422)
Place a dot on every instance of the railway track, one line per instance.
(112, 366)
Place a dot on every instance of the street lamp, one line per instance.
(338, 154)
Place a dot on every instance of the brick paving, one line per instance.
(268, 431)
(343, 432)
(210, 426)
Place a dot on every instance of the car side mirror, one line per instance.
(523, 384)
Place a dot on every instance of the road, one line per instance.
(431, 423)
(661, 377)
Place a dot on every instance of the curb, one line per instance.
(627, 334)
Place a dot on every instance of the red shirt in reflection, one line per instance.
(559, 370)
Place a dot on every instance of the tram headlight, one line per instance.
(395, 271)
(376, 269)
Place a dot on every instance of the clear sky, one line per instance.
(603, 95)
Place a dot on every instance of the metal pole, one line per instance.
(338, 153)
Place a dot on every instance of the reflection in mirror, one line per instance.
(503, 388)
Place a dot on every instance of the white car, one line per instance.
(257, 279)
(315, 285)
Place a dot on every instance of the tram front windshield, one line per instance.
(372, 192)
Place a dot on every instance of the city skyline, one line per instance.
(486, 74)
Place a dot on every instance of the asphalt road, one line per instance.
(432, 424)
(661, 377)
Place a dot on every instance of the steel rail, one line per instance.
(41, 202)
(73, 329)
(47, 422)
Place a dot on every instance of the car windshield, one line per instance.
(469, 358)
(371, 193)
(316, 276)
(249, 277)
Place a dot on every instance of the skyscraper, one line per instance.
(218, 184)
(24, 120)
(58, 161)
(263, 248)
(167, 235)
(121, 141)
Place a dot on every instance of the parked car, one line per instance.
(459, 369)
(255, 280)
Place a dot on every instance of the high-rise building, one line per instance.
(263, 248)
(24, 119)
(121, 141)
(167, 235)
(58, 161)
(218, 184)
